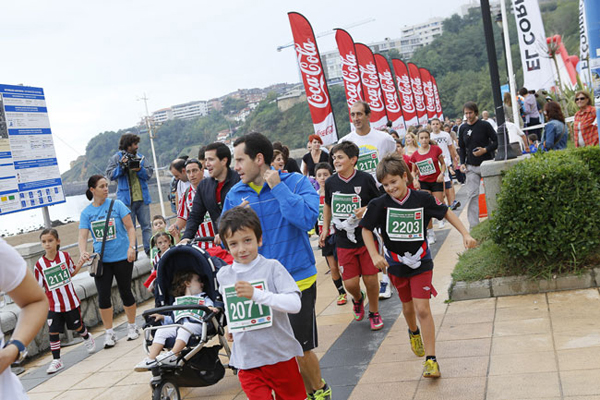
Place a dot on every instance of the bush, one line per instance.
(590, 155)
(548, 208)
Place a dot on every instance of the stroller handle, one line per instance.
(159, 310)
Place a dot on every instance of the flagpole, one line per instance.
(509, 65)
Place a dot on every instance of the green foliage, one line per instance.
(488, 260)
(548, 209)
(590, 155)
(233, 105)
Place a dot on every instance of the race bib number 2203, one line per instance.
(405, 224)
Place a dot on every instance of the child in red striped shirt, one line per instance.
(53, 272)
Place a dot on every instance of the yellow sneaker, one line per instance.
(431, 369)
(416, 344)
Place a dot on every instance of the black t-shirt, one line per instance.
(292, 166)
(310, 164)
(480, 134)
(406, 221)
(345, 196)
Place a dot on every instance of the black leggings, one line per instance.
(122, 271)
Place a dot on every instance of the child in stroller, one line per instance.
(188, 288)
(198, 363)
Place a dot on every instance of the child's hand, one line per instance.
(322, 237)
(440, 178)
(244, 289)
(214, 309)
(469, 242)
(158, 317)
(379, 261)
(359, 212)
(229, 337)
(416, 183)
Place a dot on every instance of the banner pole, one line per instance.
(511, 75)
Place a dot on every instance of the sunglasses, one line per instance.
(580, 99)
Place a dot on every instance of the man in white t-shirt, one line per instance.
(373, 146)
(177, 169)
(486, 117)
(444, 140)
(23, 289)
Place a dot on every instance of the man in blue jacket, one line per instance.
(288, 206)
(132, 172)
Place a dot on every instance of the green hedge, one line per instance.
(549, 208)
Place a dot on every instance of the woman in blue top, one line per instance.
(555, 132)
(119, 253)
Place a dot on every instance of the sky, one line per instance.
(95, 60)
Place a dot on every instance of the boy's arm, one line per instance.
(326, 224)
(300, 207)
(378, 260)
(468, 241)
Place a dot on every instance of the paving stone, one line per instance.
(473, 290)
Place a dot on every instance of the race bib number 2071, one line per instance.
(244, 314)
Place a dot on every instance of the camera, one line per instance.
(133, 161)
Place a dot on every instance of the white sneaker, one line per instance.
(90, 344)
(441, 223)
(110, 340)
(55, 366)
(133, 332)
(168, 360)
(385, 292)
(145, 365)
(430, 236)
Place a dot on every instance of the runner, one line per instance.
(444, 140)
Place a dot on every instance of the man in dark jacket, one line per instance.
(477, 142)
(211, 192)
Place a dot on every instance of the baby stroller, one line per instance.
(200, 365)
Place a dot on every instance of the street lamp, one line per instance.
(498, 21)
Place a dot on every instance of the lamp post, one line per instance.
(498, 21)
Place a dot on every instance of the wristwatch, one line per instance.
(21, 347)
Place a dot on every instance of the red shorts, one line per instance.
(282, 378)
(415, 287)
(355, 262)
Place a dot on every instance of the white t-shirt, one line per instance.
(181, 188)
(515, 134)
(444, 140)
(12, 273)
(375, 144)
(492, 123)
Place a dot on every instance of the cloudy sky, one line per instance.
(96, 59)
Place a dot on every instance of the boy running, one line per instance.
(402, 214)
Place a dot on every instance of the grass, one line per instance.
(490, 260)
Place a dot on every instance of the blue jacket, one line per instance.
(555, 132)
(115, 172)
(286, 212)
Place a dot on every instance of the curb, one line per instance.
(520, 285)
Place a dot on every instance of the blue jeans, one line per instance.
(141, 212)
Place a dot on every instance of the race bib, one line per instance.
(57, 276)
(320, 220)
(193, 314)
(426, 167)
(343, 205)
(244, 314)
(98, 230)
(367, 162)
(405, 224)
(207, 217)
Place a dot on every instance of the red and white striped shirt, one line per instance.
(61, 299)
(206, 228)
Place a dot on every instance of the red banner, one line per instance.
(371, 86)
(438, 103)
(350, 72)
(315, 85)
(417, 89)
(428, 93)
(406, 95)
(390, 94)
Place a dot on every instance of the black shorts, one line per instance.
(448, 184)
(329, 248)
(304, 324)
(57, 320)
(432, 186)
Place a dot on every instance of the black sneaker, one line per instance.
(455, 205)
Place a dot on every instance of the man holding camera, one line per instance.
(132, 172)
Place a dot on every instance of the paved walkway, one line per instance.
(544, 346)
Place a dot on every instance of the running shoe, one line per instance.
(324, 393)
(55, 366)
(169, 359)
(342, 299)
(358, 308)
(133, 332)
(441, 223)
(145, 365)
(455, 205)
(90, 344)
(431, 369)
(430, 236)
(416, 344)
(376, 321)
(385, 292)
(110, 340)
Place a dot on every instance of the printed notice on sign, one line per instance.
(244, 314)
(29, 174)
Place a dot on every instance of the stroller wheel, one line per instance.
(166, 390)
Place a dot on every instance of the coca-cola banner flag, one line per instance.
(350, 72)
(371, 86)
(438, 104)
(390, 94)
(428, 93)
(417, 89)
(317, 93)
(406, 94)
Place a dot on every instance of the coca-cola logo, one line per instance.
(389, 89)
(405, 94)
(325, 132)
(428, 91)
(370, 80)
(310, 65)
(438, 106)
(419, 100)
(351, 77)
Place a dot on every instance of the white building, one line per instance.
(419, 35)
(189, 110)
(162, 115)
